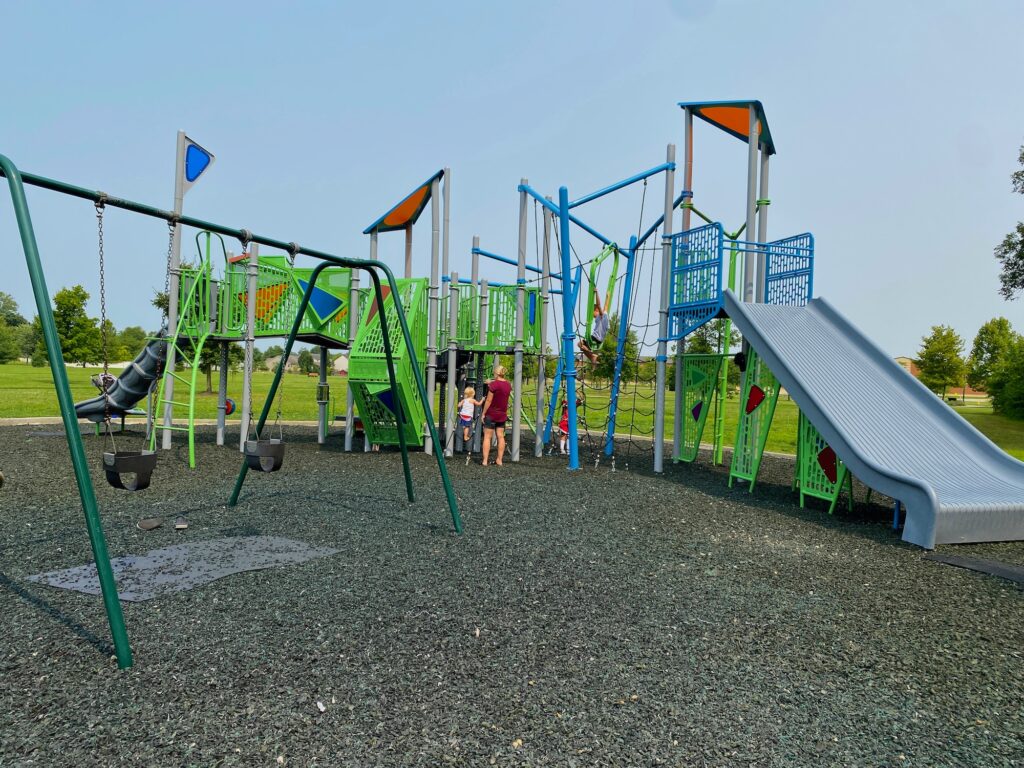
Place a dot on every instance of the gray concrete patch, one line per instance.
(186, 566)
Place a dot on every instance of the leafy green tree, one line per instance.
(132, 339)
(27, 336)
(1006, 383)
(38, 353)
(8, 343)
(605, 367)
(274, 350)
(940, 359)
(990, 345)
(1010, 252)
(79, 334)
(306, 363)
(9, 311)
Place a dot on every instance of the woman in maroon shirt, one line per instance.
(496, 413)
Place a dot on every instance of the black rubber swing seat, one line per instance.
(264, 455)
(120, 463)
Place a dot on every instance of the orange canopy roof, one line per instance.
(407, 211)
(733, 117)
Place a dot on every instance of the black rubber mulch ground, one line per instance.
(588, 618)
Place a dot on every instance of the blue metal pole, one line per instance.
(620, 348)
(568, 331)
(573, 294)
(623, 183)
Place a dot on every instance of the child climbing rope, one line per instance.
(467, 407)
(598, 332)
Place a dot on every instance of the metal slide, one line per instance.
(893, 433)
(130, 387)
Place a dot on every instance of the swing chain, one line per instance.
(171, 227)
(100, 208)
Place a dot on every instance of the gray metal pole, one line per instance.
(408, 251)
(680, 401)
(367, 445)
(453, 329)
(477, 434)
(762, 226)
(545, 297)
(173, 283)
(252, 272)
(321, 428)
(353, 329)
(517, 366)
(447, 200)
(433, 315)
(662, 355)
(222, 393)
(750, 258)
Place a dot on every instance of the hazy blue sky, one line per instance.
(897, 125)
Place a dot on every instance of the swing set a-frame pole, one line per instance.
(55, 357)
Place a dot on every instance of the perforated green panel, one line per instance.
(757, 408)
(700, 374)
(368, 372)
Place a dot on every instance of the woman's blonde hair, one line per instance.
(499, 371)
(469, 393)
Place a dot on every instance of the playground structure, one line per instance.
(255, 450)
(910, 446)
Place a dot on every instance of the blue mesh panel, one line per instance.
(695, 288)
(789, 272)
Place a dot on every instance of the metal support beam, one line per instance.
(762, 226)
(173, 288)
(568, 330)
(252, 275)
(322, 404)
(662, 350)
(517, 366)
(750, 258)
(545, 299)
(433, 306)
(453, 349)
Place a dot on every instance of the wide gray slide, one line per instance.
(130, 387)
(893, 433)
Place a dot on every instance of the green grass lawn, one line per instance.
(26, 392)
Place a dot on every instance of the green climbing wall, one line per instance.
(700, 379)
(757, 408)
(820, 473)
(368, 372)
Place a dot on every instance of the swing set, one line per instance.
(262, 454)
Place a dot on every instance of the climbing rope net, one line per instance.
(635, 412)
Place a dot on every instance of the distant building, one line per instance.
(341, 365)
(910, 366)
(291, 366)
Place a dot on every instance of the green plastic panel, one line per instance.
(700, 373)
(757, 408)
(368, 372)
(820, 473)
(278, 295)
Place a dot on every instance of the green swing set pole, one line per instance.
(248, 237)
(108, 586)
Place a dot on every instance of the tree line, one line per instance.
(994, 365)
(81, 336)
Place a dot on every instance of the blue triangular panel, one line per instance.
(387, 399)
(324, 304)
(533, 308)
(197, 160)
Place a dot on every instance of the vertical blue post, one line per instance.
(568, 330)
(620, 347)
(556, 386)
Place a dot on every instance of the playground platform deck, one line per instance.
(588, 618)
